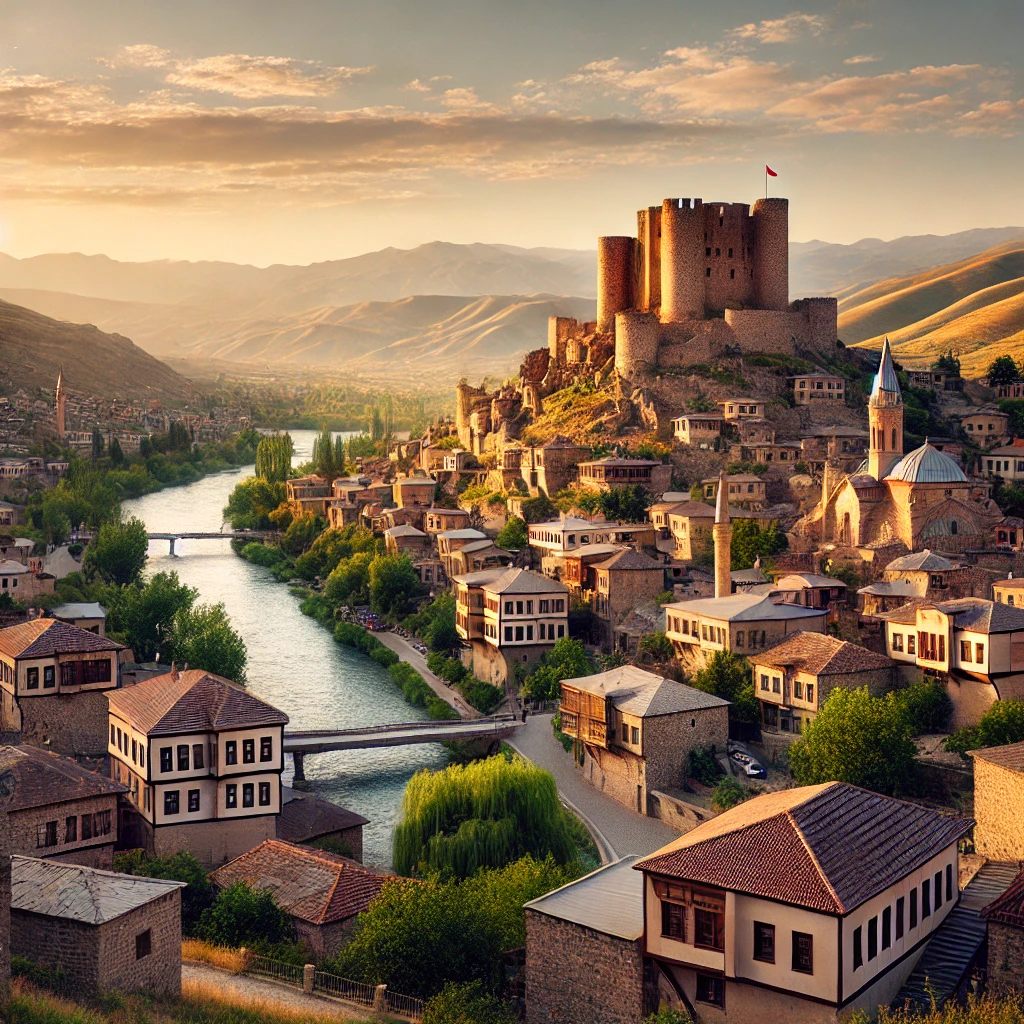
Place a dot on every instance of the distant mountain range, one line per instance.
(447, 308)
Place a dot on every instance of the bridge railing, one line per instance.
(455, 724)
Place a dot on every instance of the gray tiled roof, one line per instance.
(642, 693)
(42, 638)
(1010, 755)
(523, 581)
(78, 893)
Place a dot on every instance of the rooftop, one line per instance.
(821, 655)
(920, 560)
(404, 530)
(479, 578)
(829, 847)
(305, 817)
(1010, 756)
(638, 692)
(523, 581)
(43, 638)
(76, 893)
(891, 588)
(927, 465)
(609, 900)
(1008, 908)
(42, 778)
(195, 701)
(700, 510)
(573, 523)
(807, 580)
(744, 608)
(629, 560)
(79, 610)
(463, 534)
(612, 460)
(309, 884)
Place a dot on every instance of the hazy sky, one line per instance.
(300, 131)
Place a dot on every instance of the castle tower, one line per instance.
(721, 533)
(61, 403)
(885, 418)
(682, 260)
(771, 254)
(648, 258)
(615, 278)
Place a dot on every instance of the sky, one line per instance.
(271, 132)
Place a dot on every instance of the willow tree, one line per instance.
(274, 457)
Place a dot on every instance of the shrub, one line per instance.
(703, 766)
(466, 1003)
(266, 555)
(196, 897)
(669, 1016)
(926, 705)
(243, 916)
(385, 656)
(453, 670)
(728, 793)
(435, 662)
(1002, 723)
(480, 695)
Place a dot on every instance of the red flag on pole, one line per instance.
(770, 172)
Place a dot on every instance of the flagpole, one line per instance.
(766, 181)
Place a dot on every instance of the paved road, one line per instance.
(407, 652)
(319, 740)
(287, 998)
(624, 831)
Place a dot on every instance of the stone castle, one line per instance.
(698, 282)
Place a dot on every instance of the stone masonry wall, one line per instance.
(998, 811)
(668, 740)
(1005, 959)
(74, 723)
(575, 974)
(160, 971)
(52, 942)
(212, 843)
(23, 830)
(618, 774)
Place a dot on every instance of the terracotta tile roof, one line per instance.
(829, 847)
(42, 778)
(1008, 908)
(303, 817)
(629, 559)
(309, 884)
(1010, 755)
(822, 655)
(195, 701)
(42, 638)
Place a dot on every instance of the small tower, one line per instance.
(721, 533)
(61, 402)
(885, 418)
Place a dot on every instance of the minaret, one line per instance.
(885, 418)
(61, 402)
(721, 533)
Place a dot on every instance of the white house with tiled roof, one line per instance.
(802, 905)
(202, 759)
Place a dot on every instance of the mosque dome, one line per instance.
(927, 465)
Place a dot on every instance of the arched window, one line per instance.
(953, 527)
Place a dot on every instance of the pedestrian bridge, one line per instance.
(222, 535)
(320, 741)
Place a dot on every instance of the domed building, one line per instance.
(919, 499)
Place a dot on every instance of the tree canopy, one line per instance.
(513, 536)
(566, 660)
(1003, 371)
(728, 676)
(750, 541)
(118, 551)
(203, 637)
(274, 458)
(393, 585)
(1002, 723)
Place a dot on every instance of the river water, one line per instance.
(294, 662)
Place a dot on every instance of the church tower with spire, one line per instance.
(721, 533)
(885, 418)
(61, 403)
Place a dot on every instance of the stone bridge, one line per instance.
(174, 536)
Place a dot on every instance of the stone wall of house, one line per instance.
(73, 723)
(618, 774)
(998, 811)
(69, 946)
(160, 971)
(1005, 959)
(212, 843)
(668, 740)
(971, 699)
(24, 831)
(878, 681)
(491, 665)
(326, 940)
(575, 974)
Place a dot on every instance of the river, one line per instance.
(294, 662)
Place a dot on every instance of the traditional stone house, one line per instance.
(818, 386)
(439, 520)
(596, 921)
(90, 616)
(610, 473)
(986, 427)
(975, 647)
(306, 820)
(1008, 533)
(1004, 918)
(754, 430)
(54, 678)
(310, 493)
(636, 730)
(743, 489)
(405, 540)
(793, 679)
(58, 809)
(1007, 462)
(807, 904)
(781, 453)
(923, 575)
(553, 466)
(202, 759)
(321, 892)
(999, 801)
(104, 931)
(475, 556)
(621, 582)
(687, 524)
(414, 491)
(809, 589)
(700, 430)
(560, 538)
(742, 408)
(449, 541)
(577, 571)
(1009, 592)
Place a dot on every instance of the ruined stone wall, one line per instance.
(576, 974)
(998, 811)
(160, 971)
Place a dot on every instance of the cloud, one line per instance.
(416, 86)
(238, 74)
(781, 30)
(862, 58)
(140, 55)
(465, 100)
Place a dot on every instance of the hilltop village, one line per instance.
(747, 601)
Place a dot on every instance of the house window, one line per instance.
(166, 759)
(872, 939)
(561, 629)
(673, 920)
(171, 802)
(708, 929)
(810, 692)
(32, 679)
(798, 689)
(897, 641)
(635, 734)
(142, 755)
(710, 990)
(938, 889)
(858, 949)
(899, 918)
(764, 682)
(248, 794)
(764, 942)
(803, 953)
(71, 829)
(739, 638)
(183, 757)
(913, 907)
(198, 756)
(625, 733)
(508, 634)
(965, 650)
(886, 927)
(135, 752)
(979, 653)
(266, 748)
(529, 632)
(519, 632)
(248, 751)
(231, 795)
(926, 898)
(143, 944)
(776, 684)
(911, 643)
(264, 794)
(193, 800)
(113, 736)
(46, 834)
(949, 883)
(231, 752)
(120, 740)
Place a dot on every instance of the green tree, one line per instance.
(728, 793)
(1003, 371)
(243, 916)
(728, 676)
(349, 581)
(513, 535)
(203, 637)
(324, 455)
(196, 897)
(116, 454)
(539, 510)
(750, 541)
(118, 551)
(1003, 723)
(301, 533)
(97, 443)
(948, 362)
(566, 660)
(394, 585)
(143, 616)
(926, 705)
(625, 504)
(657, 646)
(56, 525)
(467, 1003)
(859, 739)
(441, 635)
(251, 502)
(274, 458)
